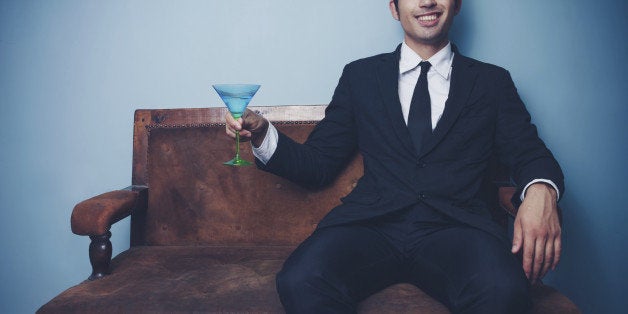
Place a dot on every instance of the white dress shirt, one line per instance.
(438, 82)
(438, 79)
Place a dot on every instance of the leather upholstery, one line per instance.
(96, 215)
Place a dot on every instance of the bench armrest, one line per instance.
(95, 216)
(505, 199)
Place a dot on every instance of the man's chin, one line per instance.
(433, 40)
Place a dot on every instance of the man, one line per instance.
(426, 132)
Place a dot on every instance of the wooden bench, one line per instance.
(210, 238)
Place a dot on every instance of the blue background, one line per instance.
(73, 72)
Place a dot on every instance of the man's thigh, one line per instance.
(356, 260)
(460, 264)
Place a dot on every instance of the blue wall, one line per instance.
(72, 73)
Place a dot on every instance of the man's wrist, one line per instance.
(544, 186)
(548, 183)
(257, 138)
(267, 148)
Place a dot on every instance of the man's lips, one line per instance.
(428, 19)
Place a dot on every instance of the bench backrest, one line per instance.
(193, 199)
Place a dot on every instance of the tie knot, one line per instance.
(425, 66)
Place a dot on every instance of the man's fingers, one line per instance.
(528, 257)
(233, 123)
(557, 252)
(549, 258)
(539, 258)
(230, 132)
(517, 237)
(245, 135)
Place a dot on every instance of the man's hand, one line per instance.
(251, 126)
(537, 231)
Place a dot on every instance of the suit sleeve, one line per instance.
(328, 148)
(518, 143)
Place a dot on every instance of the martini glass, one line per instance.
(236, 97)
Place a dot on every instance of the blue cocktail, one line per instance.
(236, 97)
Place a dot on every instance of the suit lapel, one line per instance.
(462, 83)
(388, 80)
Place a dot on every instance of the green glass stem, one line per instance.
(237, 161)
(237, 155)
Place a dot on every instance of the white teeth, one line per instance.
(427, 18)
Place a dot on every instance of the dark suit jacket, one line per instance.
(483, 117)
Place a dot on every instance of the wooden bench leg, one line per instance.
(100, 255)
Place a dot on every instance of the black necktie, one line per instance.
(420, 116)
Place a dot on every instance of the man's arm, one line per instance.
(537, 231)
(327, 150)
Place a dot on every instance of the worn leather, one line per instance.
(505, 195)
(195, 200)
(96, 215)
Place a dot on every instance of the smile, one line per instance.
(428, 18)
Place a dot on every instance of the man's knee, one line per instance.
(511, 297)
(494, 294)
(306, 290)
(289, 282)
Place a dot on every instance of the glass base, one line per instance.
(237, 162)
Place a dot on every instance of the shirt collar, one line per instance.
(441, 61)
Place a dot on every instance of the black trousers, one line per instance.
(466, 269)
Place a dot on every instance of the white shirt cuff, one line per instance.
(542, 181)
(266, 150)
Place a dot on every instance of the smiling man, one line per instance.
(426, 120)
